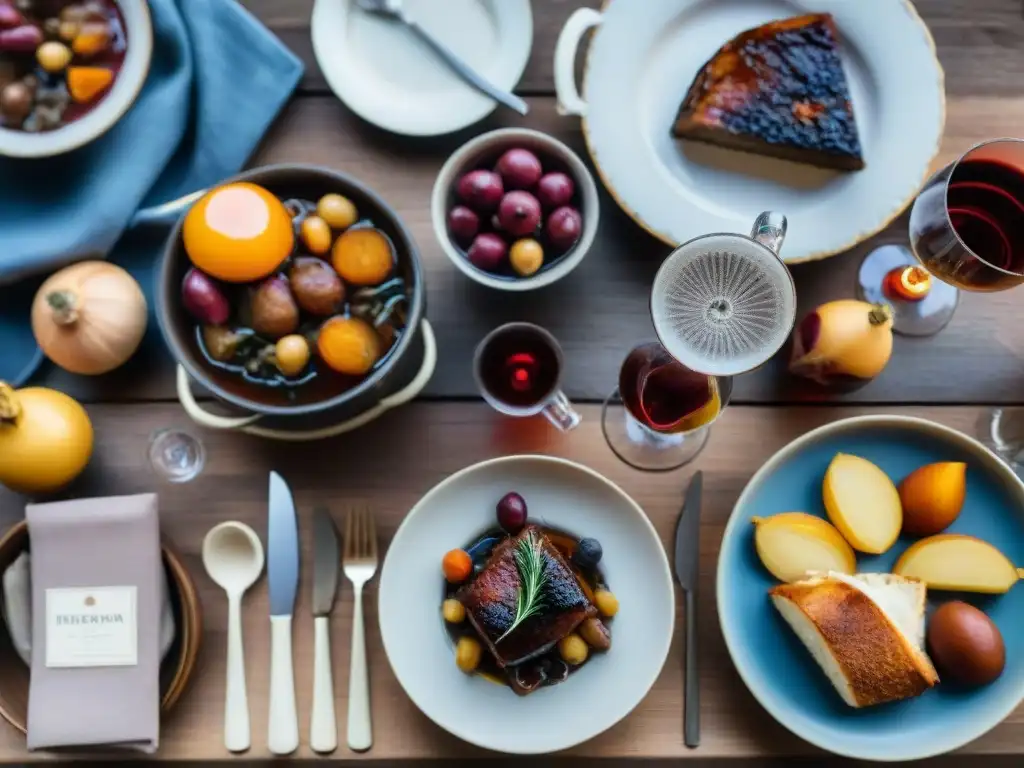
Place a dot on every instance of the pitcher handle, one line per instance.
(770, 231)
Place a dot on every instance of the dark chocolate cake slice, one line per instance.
(777, 90)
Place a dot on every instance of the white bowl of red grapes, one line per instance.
(515, 209)
(69, 69)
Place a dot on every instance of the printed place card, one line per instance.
(91, 627)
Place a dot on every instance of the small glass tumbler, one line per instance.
(518, 369)
(176, 456)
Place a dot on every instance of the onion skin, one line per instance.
(89, 318)
(46, 439)
(842, 342)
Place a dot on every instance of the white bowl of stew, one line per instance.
(69, 71)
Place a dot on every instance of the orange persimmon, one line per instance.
(238, 232)
(86, 83)
(363, 256)
(349, 345)
(457, 566)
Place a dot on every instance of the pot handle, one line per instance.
(569, 100)
(404, 395)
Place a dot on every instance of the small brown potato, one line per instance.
(607, 603)
(274, 312)
(467, 653)
(965, 644)
(453, 611)
(338, 211)
(596, 634)
(316, 286)
(573, 650)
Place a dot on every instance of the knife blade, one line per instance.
(326, 562)
(323, 725)
(283, 575)
(687, 563)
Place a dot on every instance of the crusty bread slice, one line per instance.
(863, 631)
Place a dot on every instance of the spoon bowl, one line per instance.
(233, 556)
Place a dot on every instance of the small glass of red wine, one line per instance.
(667, 410)
(966, 232)
(518, 368)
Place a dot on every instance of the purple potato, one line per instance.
(564, 227)
(23, 39)
(555, 189)
(488, 252)
(519, 213)
(481, 190)
(511, 512)
(463, 224)
(519, 168)
(203, 299)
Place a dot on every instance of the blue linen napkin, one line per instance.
(217, 81)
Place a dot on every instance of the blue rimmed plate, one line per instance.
(772, 661)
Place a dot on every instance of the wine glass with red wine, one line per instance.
(722, 305)
(966, 231)
(518, 368)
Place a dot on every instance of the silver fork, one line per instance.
(392, 9)
(359, 565)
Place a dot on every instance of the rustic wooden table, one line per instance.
(598, 315)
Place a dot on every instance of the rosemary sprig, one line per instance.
(532, 577)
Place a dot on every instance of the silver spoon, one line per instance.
(392, 9)
(233, 557)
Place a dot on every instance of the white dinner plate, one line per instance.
(639, 66)
(388, 76)
(608, 687)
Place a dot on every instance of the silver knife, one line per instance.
(283, 575)
(687, 562)
(323, 727)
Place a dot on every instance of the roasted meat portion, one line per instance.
(490, 601)
(777, 90)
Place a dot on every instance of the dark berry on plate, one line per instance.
(588, 553)
(555, 189)
(519, 213)
(564, 227)
(481, 190)
(512, 512)
(463, 224)
(488, 252)
(519, 168)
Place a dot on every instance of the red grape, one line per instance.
(511, 511)
(564, 227)
(519, 213)
(463, 224)
(481, 190)
(555, 189)
(520, 168)
(487, 252)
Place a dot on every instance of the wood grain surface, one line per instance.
(600, 311)
(390, 475)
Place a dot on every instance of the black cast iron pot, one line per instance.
(406, 363)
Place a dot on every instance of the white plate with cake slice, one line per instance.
(524, 688)
(656, 71)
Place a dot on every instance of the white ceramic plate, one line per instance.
(126, 87)
(569, 496)
(640, 64)
(389, 77)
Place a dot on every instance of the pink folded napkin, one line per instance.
(97, 589)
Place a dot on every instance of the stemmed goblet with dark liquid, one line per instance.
(722, 305)
(966, 231)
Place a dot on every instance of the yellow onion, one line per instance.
(843, 342)
(46, 439)
(89, 318)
